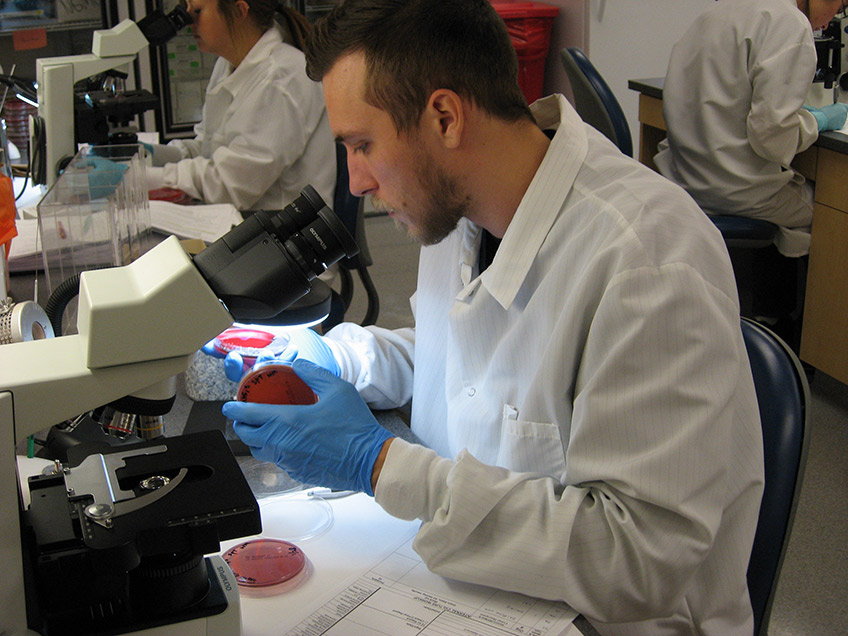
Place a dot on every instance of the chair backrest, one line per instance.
(594, 101)
(783, 395)
(349, 209)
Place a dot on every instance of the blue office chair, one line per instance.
(744, 232)
(783, 395)
(768, 282)
(349, 209)
(750, 247)
(596, 104)
(594, 101)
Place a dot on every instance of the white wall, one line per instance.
(569, 28)
(632, 39)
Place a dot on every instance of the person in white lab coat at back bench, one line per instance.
(734, 107)
(264, 133)
(733, 104)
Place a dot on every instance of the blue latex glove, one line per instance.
(304, 344)
(308, 344)
(332, 443)
(830, 117)
(104, 176)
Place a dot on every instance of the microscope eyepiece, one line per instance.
(158, 28)
(266, 263)
(180, 17)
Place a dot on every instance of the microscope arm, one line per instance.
(137, 327)
(56, 76)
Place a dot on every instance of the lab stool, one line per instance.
(771, 286)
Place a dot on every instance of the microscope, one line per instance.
(839, 29)
(829, 77)
(114, 542)
(73, 109)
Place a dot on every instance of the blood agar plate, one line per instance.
(171, 195)
(266, 567)
(274, 384)
(248, 342)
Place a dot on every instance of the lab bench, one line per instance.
(824, 335)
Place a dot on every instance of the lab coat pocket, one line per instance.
(530, 447)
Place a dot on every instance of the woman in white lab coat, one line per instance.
(733, 104)
(264, 133)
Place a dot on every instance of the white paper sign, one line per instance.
(78, 11)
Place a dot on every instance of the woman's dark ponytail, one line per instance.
(298, 26)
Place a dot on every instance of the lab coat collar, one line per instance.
(244, 72)
(542, 202)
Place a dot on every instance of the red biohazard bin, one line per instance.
(529, 26)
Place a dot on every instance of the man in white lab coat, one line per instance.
(576, 370)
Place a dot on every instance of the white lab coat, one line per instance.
(588, 400)
(732, 100)
(263, 136)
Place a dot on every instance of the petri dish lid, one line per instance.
(295, 517)
(274, 384)
(272, 564)
(267, 479)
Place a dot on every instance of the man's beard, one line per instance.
(443, 204)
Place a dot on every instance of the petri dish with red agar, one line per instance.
(170, 195)
(267, 567)
(274, 383)
(249, 342)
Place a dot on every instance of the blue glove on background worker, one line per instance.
(334, 442)
(104, 176)
(830, 117)
(304, 344)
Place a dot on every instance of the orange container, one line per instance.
(529, 26)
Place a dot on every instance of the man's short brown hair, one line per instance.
(414, 47)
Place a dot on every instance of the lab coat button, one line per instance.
(472, 391)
